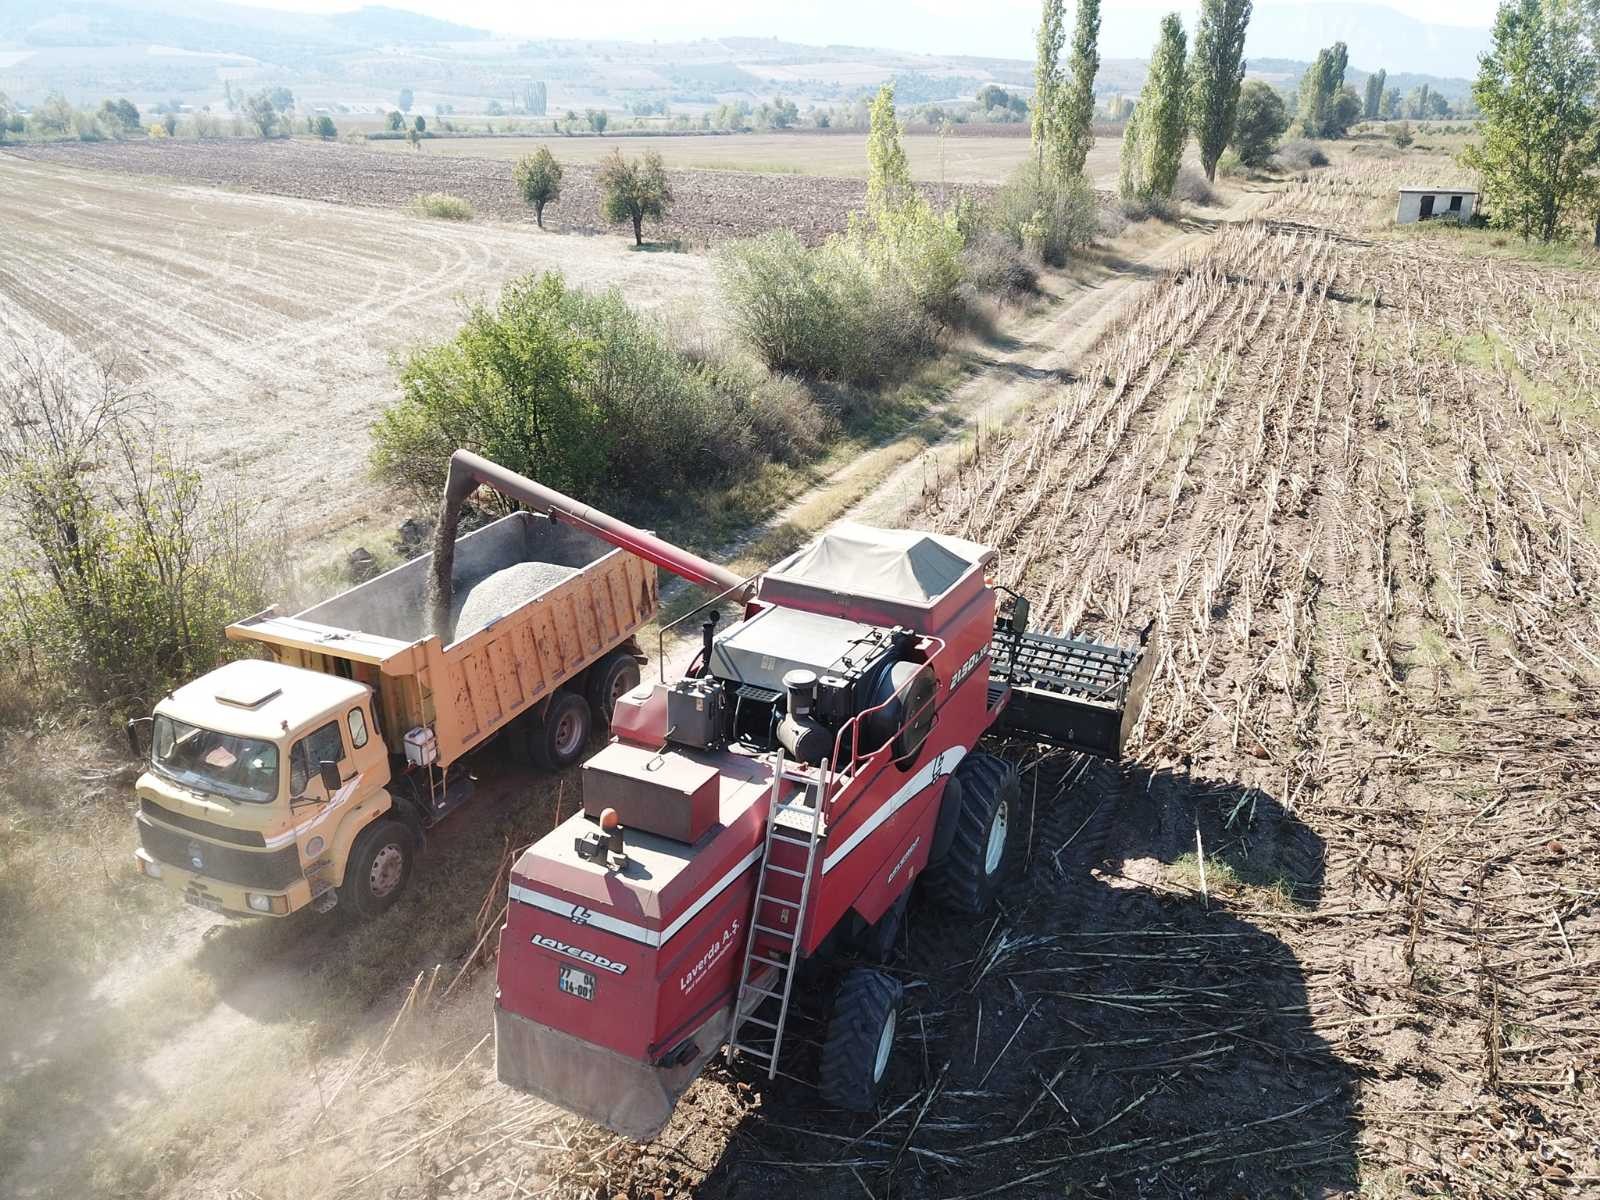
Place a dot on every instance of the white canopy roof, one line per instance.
(897, 564)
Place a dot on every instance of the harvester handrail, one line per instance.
(853, 726)
(744, 587)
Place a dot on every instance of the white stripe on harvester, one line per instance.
(580, 915)
(941, 764)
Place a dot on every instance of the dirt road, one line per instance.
(265, 324)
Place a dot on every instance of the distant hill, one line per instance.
(153, 50)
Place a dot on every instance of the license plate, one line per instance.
(209, 903)
(575, 981)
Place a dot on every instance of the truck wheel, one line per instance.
(379, 867)
(610, 679)
(968, 877)
(855, 1058)
(558, 737)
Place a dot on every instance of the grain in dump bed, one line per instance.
(497, 569)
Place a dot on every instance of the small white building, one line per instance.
(1431, 203)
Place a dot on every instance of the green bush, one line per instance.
(442, 206)
(583, 393)
(1044, 215)
(122, 567)
(820, 312)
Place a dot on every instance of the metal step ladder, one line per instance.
(797, 824)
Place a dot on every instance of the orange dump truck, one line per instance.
(311, 776)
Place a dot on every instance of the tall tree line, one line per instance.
(1375, 85)
(1063, 99)
(1216, 73)
(1152, 144)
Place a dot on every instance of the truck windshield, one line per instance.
(223, 764)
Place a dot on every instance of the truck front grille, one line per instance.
(268, 869)
(239, 837)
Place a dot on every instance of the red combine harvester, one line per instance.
(774, 807)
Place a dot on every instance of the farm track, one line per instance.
(709, 206)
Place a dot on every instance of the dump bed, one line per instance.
(536, 602)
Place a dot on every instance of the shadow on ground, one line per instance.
(1112, 1032)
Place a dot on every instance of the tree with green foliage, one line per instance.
(1153, 144)
(324, 128)
(394, 122)
(121, 114)
(632, 191)
(1047, 82)
(1402, 135)
(538, 178)
(1260, 121)
(282, 99)
(405, 99)
(597, 120)
(420, 123)
(888, 172)
(53, 117)
(1319, 90)
(1374, 100)
(262, 113)
(1391, 105)
(1075, 135)
(1537, 88)
(1216, 71)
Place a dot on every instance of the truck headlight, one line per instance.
(151, 867)
(258, 902)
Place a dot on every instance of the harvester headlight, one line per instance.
(266, 904)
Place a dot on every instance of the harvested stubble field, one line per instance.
(709, 206)
(264, 325)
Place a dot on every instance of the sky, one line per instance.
(985, 27)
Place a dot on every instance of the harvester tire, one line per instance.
(379, 868)
(610, 679)
(969, 875)
(855, 1058)
(559, 735)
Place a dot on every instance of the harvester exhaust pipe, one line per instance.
(469, 471)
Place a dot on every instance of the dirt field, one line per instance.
(265, 324)
(709, 206)
(966, 159)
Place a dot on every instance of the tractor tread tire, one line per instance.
(860, 1007)
(960, 881)
(354, 896)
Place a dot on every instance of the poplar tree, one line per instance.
(1536, 88)
(1160, 122)
(1319, 89)
(1075, 136)
(1375, 85)
(888, 173)
(1216, 71)
(1047, 77)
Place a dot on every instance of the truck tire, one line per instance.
(970, 873)
(379, 868)
(610, 679)
(861, 1029)
(559, 735)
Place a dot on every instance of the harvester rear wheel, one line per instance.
(610, 679)
(855, 1058)
(969, 875)
(379, 867)
(558, 736)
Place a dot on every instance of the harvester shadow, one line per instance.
(1121, 1028)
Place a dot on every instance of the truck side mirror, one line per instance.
(137, 744)
(329, 773)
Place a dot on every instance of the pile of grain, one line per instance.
(498, 594)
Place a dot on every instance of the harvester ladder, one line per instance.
(798, 825)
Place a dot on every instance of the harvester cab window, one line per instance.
(325, 745)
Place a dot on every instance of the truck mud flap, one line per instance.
(625, 1095)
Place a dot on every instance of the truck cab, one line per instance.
(260, 778)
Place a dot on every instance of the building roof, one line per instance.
(1454, 191)
(253, 698)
